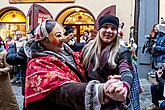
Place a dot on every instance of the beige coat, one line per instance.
(7, 97)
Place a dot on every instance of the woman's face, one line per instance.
(86, 33)
(108, 33)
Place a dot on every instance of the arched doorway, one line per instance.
(12, 20)
(78, 17)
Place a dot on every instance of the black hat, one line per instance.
(108, 19)
(69, 29)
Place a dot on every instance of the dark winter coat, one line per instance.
(159, 49)
(124, 68)
(17, 58)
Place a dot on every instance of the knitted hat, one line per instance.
(108, 19)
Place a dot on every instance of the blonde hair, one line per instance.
(92, 50)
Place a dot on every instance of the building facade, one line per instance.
(24, 15)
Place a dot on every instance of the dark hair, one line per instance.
(50, 24)
(9, 37)
(1, 39)
(86, 31)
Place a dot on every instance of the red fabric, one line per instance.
(6, 45)
(125, 86)
(44, 74)
(153, 35)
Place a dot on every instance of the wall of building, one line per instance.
(161, 10)
(124, 9)
(148, 17)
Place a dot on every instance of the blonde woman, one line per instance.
(103, 58)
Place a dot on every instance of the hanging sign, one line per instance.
(41, 1)
(42, 17)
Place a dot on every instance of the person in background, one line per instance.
(84, 37)
(18, 35)
(69, 31)
(7, 97)
(19, 58)
(157, 90)
(92, 34)
(2, 42)
(74, 45)
(120, 30)
(83, 41)
(154, 31)
(158, 49)
(121, 35)
(15, 46)
(104, 57)
(8, 41)
(162, 20)
(55, 76)
(19, 40)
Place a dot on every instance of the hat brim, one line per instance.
(107, 24)
(70, 30)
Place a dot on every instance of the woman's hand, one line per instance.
(114, 89)
(114, 77)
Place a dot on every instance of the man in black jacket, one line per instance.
(17, 58)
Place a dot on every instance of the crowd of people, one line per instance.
(56, 71)
(155, 46)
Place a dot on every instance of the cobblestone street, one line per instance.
(19, 96)
(145, 97)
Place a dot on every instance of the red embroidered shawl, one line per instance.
(46, 73)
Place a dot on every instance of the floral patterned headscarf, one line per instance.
(41, 32)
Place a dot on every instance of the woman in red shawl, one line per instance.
(55, 77)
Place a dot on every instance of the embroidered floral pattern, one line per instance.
(46, 73)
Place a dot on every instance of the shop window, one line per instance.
(79, 18)
(10, 29)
